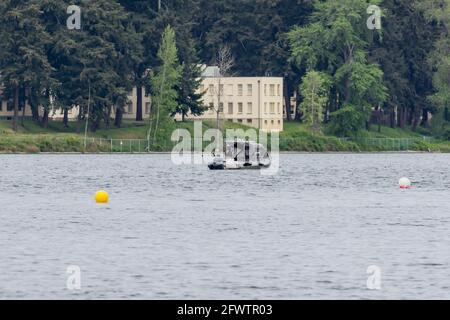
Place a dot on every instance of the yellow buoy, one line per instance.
(101, 197)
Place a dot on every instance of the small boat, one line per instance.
(240, 155)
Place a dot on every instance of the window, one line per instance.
(278, 108)
(265, 89)
(272, 90)
(249, 90)
(240, 107)
(240, 120)
(240, 90)
(221, 107)
(265, 107)
(279, 90)
(211, 89)
(130, 107)
(249, 108)
(279, 121)
(265, 121)
(272, 107)
(230, 108)
(211, 107)
(147, 107)
(230, 89)
(221, 89)
(273, 122)
(249, 121)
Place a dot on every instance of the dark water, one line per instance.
(185, 232)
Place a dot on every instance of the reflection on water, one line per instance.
(186, 232)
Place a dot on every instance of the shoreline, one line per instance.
(281, 153)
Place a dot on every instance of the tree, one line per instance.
(165, 81)
(437, 12)
(336, 42)
(25, 70)
(315, 90)
(346, 122)
(97, 61)
(189, 98)
(402, 53)
(224, 63)
(189, 95)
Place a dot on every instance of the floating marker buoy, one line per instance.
(101, 197)
(405, 183)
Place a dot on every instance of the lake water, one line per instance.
(174, 232)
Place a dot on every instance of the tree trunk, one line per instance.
(401, 116)
(34, 109)
(392, 117)
(45, 118)
(118, 117)
(411, 115)
(415, 118)
(425, 118)
(108, 118)
(287, 100)
(95, 123)
(405, 117)
(139, 104)
(298, 112)
(80, 118)
(23, 102)
(66, 118)
(16, 108)
(22, 120)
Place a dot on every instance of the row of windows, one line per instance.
(269, 90)
(130, 108)
(250, 121)
(269, 108)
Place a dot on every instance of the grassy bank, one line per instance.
(32, 138)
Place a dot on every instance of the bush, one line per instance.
(346, 122)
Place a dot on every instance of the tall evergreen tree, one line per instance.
(165, 81)
(96, 61)
(23, 62)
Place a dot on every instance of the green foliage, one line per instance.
(166, 79)
(24, 66)
(119, 45)
(315, 90)
(336, 42)
(346, 122)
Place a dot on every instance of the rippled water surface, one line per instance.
(186, 233)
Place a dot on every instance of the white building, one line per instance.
(252, 101)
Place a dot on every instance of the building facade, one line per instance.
(253, 101)
(130, 110)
